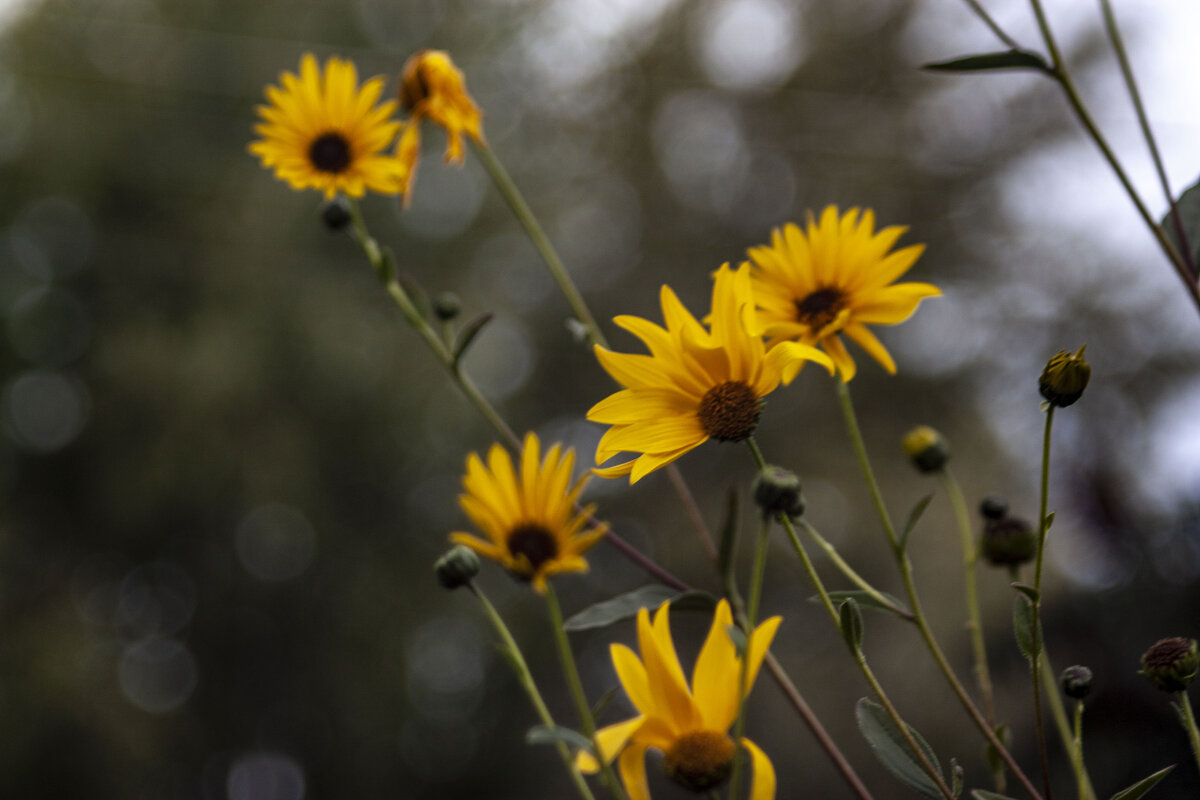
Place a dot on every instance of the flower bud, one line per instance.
(993, 507)
(457, 567)
(1076, 681)
(1170, 664)
(336, 214)
(926, 448)
(1008, 542)
(776, 490)
(1064, 378)
(446, 306)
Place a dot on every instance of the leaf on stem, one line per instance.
(1141, 787)
(893, 751)
(1050, 520)
(913, 517)
(995, 762)
(1188, 205)
(738, 637)
(851, 622)
(545, 734)
(864, 599)
(1027, 590)
(1023, 627)
(468, 334)
(956, 777)
(984, 62)
(603, 702)
(625, 606)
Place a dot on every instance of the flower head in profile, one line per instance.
(432, 88)
(321, 131)
(836, 278)
(533, 526)
(696, 384)
(689, 725)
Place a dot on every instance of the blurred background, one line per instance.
(227, 465)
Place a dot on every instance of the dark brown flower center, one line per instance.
(820, 308)
(330, 152)
(700, 760)
(729, 411)
(535, 543)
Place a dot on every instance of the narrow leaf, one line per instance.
(852, 624)
(625, 606)
(1144, 785)
(913, 516)
(861, 597)
(1027, 590)
(729, 531)
(738, 637)
(1188, 205)
(1023, 627)
(542, 734)
(984, 794)
(1050, 519)
(956, 777)
(468, 334)
(1005, 59)
(603, 702)
(893, 752)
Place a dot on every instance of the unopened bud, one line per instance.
(446, 306)
(993, 507)
(336, 214)
(1064, 378)
(1076, 681)
(457, 567)
(1170, 664)
(776, 490)
(926, 448)
(1008, 542)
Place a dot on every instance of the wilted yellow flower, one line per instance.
(432, 88)
(690, 726)
(835, 278)
(530, 518)
(321, 131)
(696, 384)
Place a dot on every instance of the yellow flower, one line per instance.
(691, 726)
(835, 278)
(696, 384)
(531, 520)
(432, 88)
(323, 132)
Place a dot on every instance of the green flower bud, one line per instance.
(778, 490)
(1076, 681)
(1170, 664)
(1064, 378)
(457, 567)
(336, 214)
(446, 306)
(1008, 542)
(993, 507)
(926, 448)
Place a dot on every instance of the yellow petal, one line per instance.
(756, 649)
(632, 675)
(762, 786)
(611, 739)
(867, 341)
(665, 678)
(716, 676)
(632, 766)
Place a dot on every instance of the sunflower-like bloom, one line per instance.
(432, 88)
(321, 131)
(696, 384)
(836, 277)
(534, 528)
(690, 726)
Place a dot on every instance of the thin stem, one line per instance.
(692, 510)
(1114, 35)
(1189, 723)
(577, 693)
(1059, 713)
(905, 566)
(525, 677)
(862, 583)
(992, 25)
(756, 582)
(1063, 76)
(512, 196)
(1036, 624)
(1077, 750)
(971, 590)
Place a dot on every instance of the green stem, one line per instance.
(905, 566)
(1114, 35)
(525, 677)
(577, 693)
(862, 583)
(1077, 751)
(512, 196)
(1059, 713)
(756, 582)
(1035, 634)
(1189, 723)
(1063, 76)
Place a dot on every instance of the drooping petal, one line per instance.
(611, 739)
(632, 766)
(762, 785)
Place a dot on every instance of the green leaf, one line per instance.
(995, 762)
(1188, 205)
(852, 624)
(542, 734)
(1005, 59)
(861, 597)
(625, 606)
(1027, 590)
(984, 794)
(893, 752)
(913, 516)
(1141, 787)
(738, 637)
(603, 702)
(1023, 627)
(956, 777)
(468, 334)
(729, 531)
(1050, 519)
